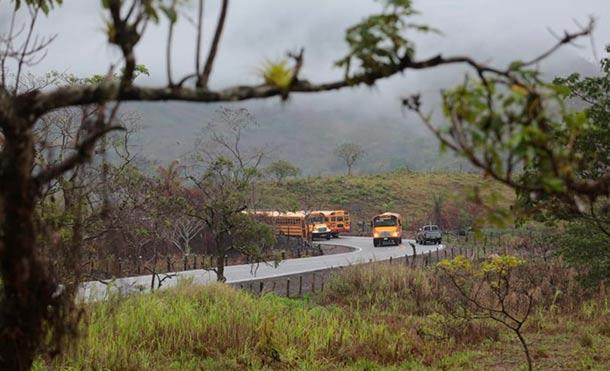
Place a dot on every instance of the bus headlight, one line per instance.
(375, 234)
(394, 234)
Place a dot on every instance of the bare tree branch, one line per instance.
(202, 82)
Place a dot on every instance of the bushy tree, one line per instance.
(521, 131)
(586, 247)
(282, 169)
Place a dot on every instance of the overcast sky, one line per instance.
(493, 31)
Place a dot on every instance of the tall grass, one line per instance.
(218, 327)
(368, 317)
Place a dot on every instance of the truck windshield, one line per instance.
(384, 222)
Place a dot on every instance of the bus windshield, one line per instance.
(384, 222)
(317, 219)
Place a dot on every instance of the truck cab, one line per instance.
(428, 233)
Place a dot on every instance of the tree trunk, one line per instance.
(220, 259)
(25, 284)
(220, 268)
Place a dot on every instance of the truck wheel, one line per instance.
(328, 237)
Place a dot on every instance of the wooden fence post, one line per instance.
(169, 264)
(300, 285)
(194, 261)
(313, 282)
(260, 291)
(288, 287)
(390, 260)
(407, 259)
(184, 261)
(438, 257)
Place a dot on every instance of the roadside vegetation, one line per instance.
(368, 317)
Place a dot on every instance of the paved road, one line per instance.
(363, 252)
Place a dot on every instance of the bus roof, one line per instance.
(396, 215)
(331, 212)
(297, 214)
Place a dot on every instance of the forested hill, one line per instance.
(306, 129)
(305, 134)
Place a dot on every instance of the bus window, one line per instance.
(385, 222)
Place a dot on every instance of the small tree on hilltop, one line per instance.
(282, 169)
(350, 153)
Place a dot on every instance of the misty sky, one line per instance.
(492, 31)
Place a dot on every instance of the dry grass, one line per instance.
(409, 193)
(369, 317)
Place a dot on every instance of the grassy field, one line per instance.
(368, 318)
(409, 193)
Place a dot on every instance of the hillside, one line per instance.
(409, 193)
(306, 129)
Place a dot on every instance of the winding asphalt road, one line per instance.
(363, 252)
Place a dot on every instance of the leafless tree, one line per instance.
(225, 174)
(350, 153)
(180, 230)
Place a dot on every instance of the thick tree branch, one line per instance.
(40, 102)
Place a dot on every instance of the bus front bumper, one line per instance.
(321, 235)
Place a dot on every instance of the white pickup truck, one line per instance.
(428, 233)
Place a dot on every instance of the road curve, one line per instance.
(363, 252)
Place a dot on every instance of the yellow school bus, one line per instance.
(295, 224)
(337, 220)
(387, 228)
